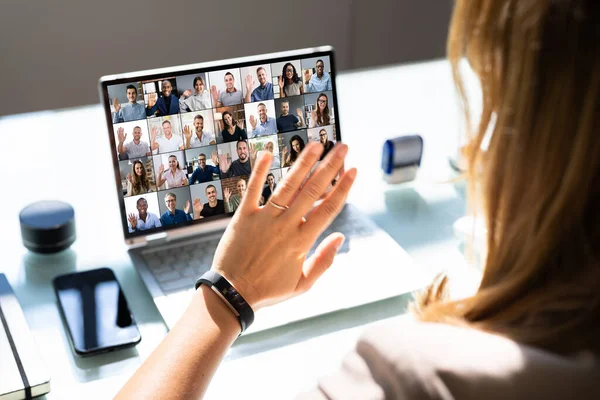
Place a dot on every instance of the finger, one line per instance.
(322, 216)
(318, 181)
(255, 186)
(319, 262)
(286, 191)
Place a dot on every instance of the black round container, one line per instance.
(47, 226)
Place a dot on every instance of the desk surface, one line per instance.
(45, 162)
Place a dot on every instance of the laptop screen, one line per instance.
(184, 143)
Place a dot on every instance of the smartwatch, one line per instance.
(231, 297)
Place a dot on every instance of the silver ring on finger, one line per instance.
(277, 206)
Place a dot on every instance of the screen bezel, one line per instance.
(95, 275)
(218, 222)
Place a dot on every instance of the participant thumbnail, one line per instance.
(132, 139)
(269, 186)
(230, 124)
(161, 97)
(198, 128)
(290, 113)
(316, 73)
(319, 109)
(286, 78)
(234, 159)
(207, 200)
(325, 135)
(194, 92)
(291, 145)
(137, 176)
(169, 172)
(234, 190)
(126, 102)
(165, 134)
(175, 206)
(260, 118)
(226, 87)
(262, 144)
(257, 83)
(202, 164)
(142, 212)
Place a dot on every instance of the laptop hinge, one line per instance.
(157, 238)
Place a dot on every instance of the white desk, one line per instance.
(41, 160)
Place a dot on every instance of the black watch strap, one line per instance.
(231, 297)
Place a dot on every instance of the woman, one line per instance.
(290, 83)
(199, 100)
(268, 190)
(174, 176)
(137, 181)
(320, 115)
(232, 201)
(297, 145)
(531, 330)
(232, 130)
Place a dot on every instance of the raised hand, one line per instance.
(299, 112)
(280, 83)
(249, 83)
(284, 154)
(253, 122)
(307, 75)
(313, 117)
(152, 97)
(187, 132)
(240, 123)
(132, 220)
(224, 164)
(215, 94)
(186, 209)
(154, 133)
(253, 152)
(130, 178)
(187, 93)
(122, 135)
(116, 105)
(198, 206)
(269, 268)
(227, 194)
(161, 170)
(215, 157)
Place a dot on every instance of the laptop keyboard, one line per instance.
(176, 266)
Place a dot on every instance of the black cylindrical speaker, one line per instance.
(47, 226)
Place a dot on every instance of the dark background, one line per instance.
(53, 52)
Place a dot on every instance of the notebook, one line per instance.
(23, 374)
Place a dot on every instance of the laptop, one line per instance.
(183, 142)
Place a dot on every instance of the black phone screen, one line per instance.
(95, 311)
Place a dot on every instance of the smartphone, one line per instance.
(95, 312)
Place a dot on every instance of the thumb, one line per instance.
(320, 261)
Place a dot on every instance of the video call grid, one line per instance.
(176, 119)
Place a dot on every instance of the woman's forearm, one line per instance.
(184, 363)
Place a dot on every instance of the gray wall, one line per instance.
(393, 31)
(55, 51)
